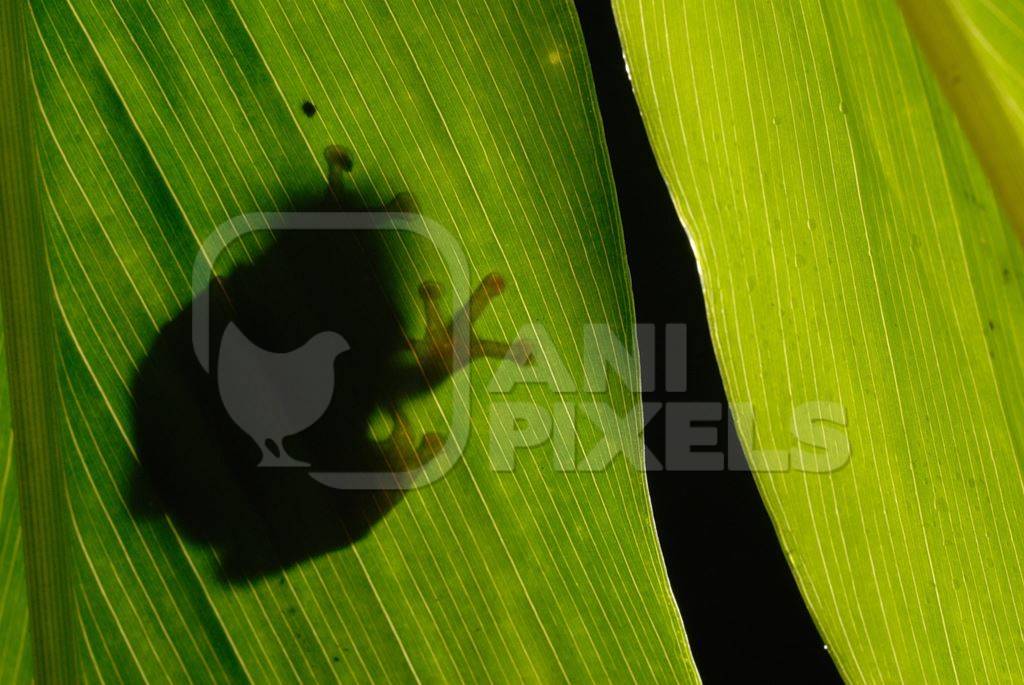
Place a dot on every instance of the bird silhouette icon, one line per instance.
(271, 395)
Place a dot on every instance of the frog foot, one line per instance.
(400, 451)
(449, 345)
(339, 165)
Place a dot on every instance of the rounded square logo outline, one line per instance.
(447, 246)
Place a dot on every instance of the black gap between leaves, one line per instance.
(744, 615)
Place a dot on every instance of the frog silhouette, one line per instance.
(307, 348)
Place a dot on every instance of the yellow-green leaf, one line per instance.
(866, 305)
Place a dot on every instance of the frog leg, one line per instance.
(399, 450)
(339, 165)
(403, 202)
(449, 345)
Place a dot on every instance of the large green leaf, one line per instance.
(161, 119)
(857, 269)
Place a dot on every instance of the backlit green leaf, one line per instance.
(866, 306)
(162, 119)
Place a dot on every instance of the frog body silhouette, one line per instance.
(310, 324)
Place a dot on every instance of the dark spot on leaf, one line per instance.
(991, 325)
(308, 108)
(336, 659)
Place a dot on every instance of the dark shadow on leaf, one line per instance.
(201, 468)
